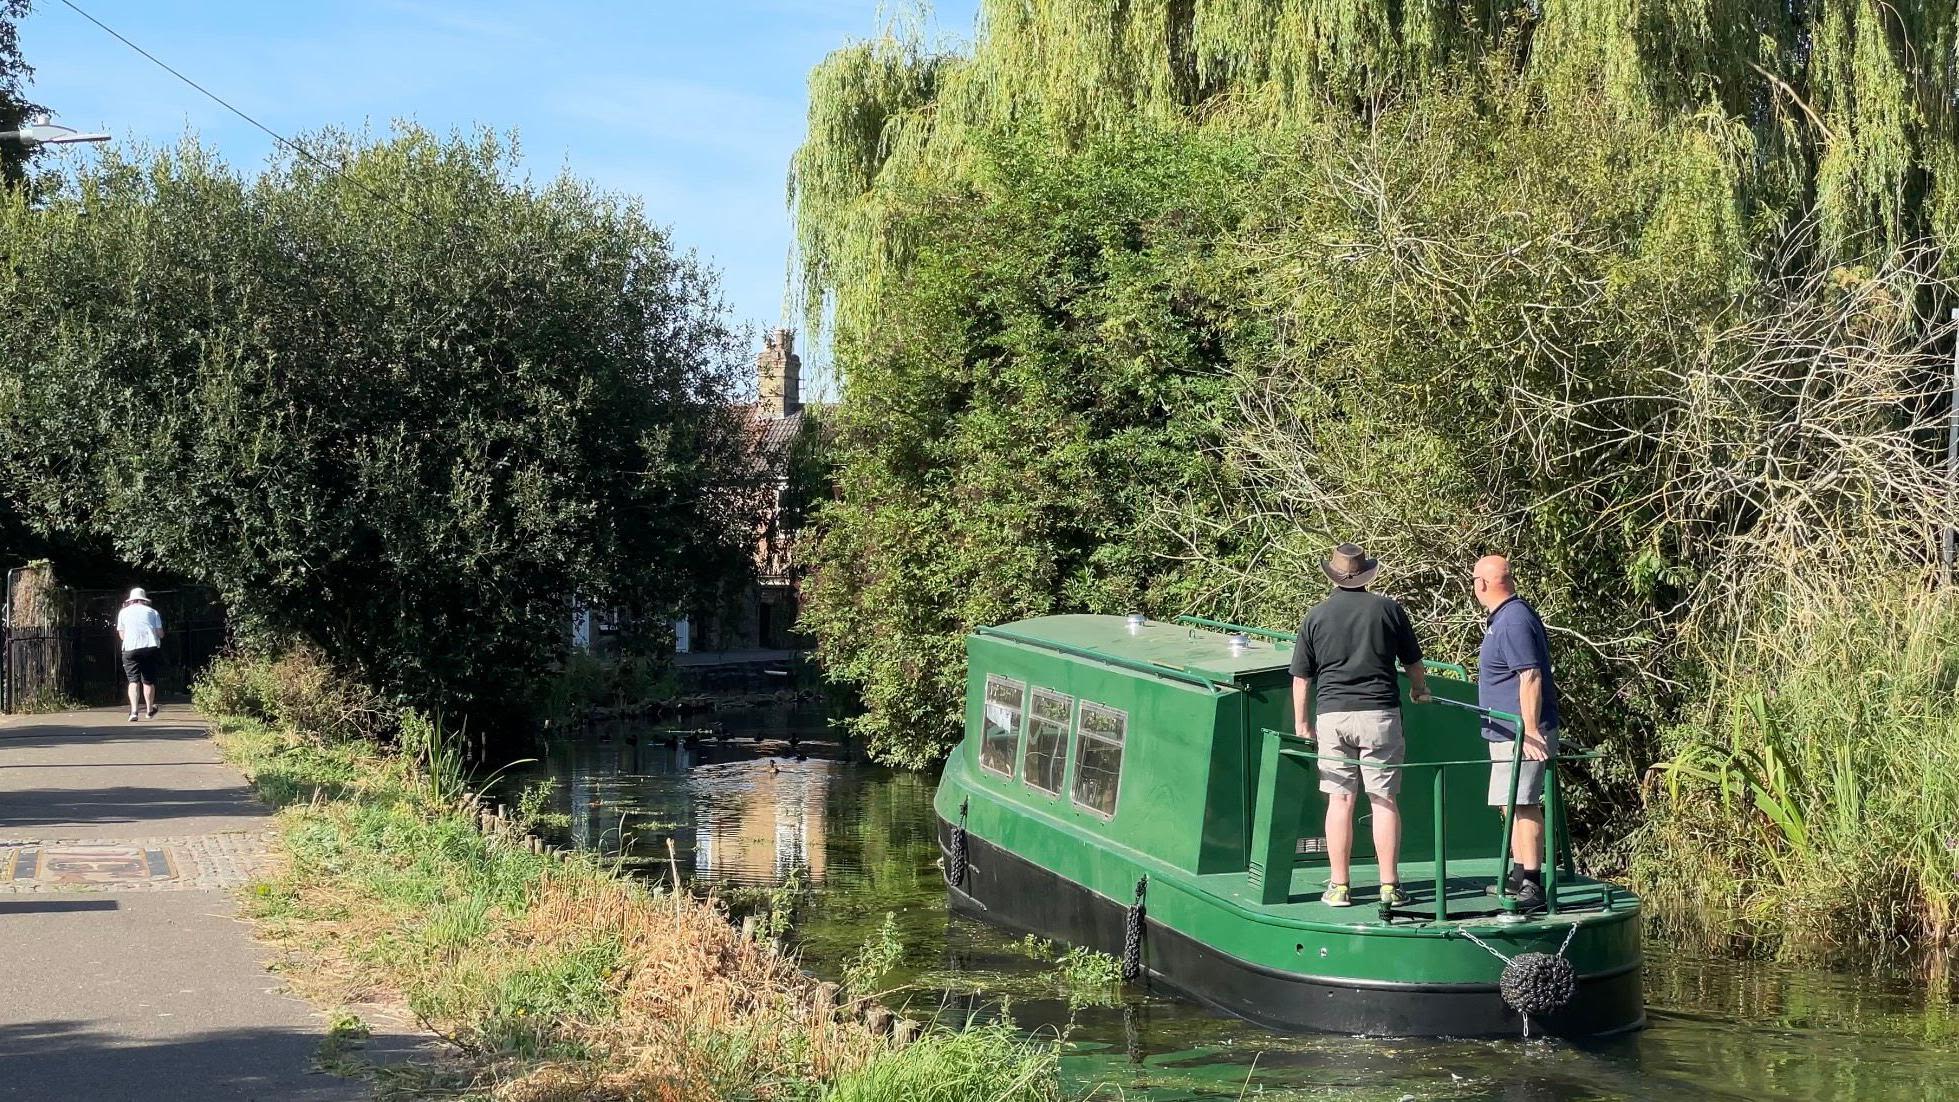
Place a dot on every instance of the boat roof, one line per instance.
(1178, 646)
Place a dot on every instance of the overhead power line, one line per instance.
(288, 143)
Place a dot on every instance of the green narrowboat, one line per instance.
(1135, 786)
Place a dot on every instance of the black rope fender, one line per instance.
(955, 867)
(1535, 983)
(1132, 935)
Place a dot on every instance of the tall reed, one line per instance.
(1812, 801)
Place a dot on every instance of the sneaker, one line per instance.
(1393, 896)
(1337, 895)
(1514, 880)
(1529, 896)
(133, 717)
(152, 711)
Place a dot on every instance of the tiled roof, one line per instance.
(778, 433)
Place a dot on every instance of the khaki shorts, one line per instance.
(1530, 775)
(1369, 736)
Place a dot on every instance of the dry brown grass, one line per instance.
(701, 1011)
(551, 980)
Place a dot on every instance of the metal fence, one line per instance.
(65, 648)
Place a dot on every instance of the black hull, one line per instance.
(1011, 891)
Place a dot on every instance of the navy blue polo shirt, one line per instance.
(1515, 642)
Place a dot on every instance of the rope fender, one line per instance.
(1132, 935)
(1535, 983)
(955, 869)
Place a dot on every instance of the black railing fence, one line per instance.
(61, 645)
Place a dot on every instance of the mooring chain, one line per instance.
(1486, 946)
(1132, 935)
(955, 869)
(1534, 983)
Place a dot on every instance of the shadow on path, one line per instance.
(69, 1059)
(31, 905)
(25, 807)
(26, 735)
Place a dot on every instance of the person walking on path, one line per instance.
(1349, 644)
(1514, 675)
(140, 628)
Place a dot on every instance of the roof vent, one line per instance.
(1136, 622)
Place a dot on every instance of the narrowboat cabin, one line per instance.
(1135, 786)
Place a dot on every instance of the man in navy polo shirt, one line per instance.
(1514, 675)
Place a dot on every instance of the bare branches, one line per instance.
(1664, 455)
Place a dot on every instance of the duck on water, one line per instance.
(1137, 787)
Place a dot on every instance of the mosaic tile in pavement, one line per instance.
(148, 864)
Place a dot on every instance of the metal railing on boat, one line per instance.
(1271, 876)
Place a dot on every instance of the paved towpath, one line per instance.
(128, 974)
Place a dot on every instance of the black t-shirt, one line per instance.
(1349, 644)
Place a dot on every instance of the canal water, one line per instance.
(771, 798)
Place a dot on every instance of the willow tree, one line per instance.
(1646, 174)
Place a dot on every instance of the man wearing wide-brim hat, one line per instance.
(140, 628)
(1347, 647)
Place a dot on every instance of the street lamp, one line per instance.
(43, 132)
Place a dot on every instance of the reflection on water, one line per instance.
(748, 812)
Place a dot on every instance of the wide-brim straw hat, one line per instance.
(136, 595)
(1350, 567)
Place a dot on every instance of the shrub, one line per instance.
(299, 691)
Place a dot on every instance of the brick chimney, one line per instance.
(778, 374)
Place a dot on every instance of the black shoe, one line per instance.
(1529, 897)
(152, 711)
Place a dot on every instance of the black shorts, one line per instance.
(142, 664)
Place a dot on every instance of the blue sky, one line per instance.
(694, 106)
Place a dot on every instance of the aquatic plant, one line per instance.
(879, 953)
(1088, 977)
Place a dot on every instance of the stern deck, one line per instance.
(1471, 891)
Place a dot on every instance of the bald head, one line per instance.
(1493, 582)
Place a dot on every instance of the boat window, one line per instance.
(1098, 757)
(1047, 740)
(1005, 700)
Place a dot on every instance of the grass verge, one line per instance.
(555, 980)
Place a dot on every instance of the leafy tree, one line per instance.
(15, 108)
(1045, 374)
(406, 410)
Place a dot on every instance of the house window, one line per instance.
(1005, 700)
(1098, 757)
(1047, 740)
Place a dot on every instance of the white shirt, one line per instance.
(140, 627)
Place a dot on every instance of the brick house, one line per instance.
(760, 614)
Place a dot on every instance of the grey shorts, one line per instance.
(1530, 775)
(1369, 736)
